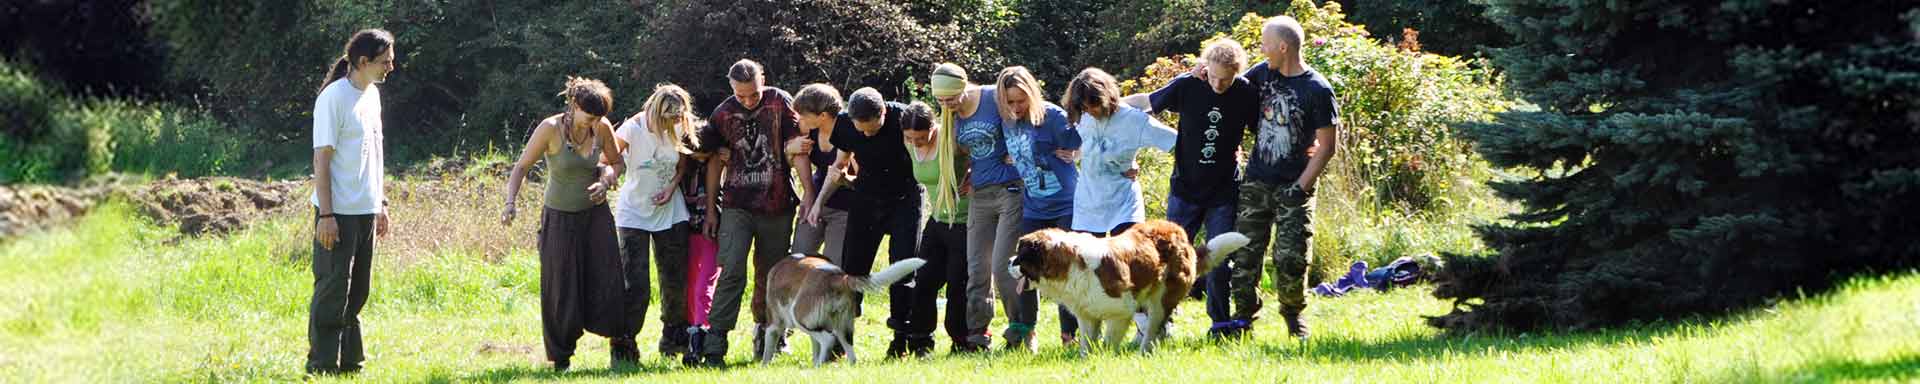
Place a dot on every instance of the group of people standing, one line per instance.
(954, 185)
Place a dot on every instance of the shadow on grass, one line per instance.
(542, 372)
(1430, 346)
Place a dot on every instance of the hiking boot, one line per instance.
(1296, 326)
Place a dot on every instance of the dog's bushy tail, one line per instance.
(880, 281)
(1219, 247)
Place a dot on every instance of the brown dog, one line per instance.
(811, 294)
(1146, 269)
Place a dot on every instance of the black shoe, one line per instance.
(920, 346)
(623, 352)
(714, 361)
(1295, 325)
(964, 347)
(562, 365)
(897, 348)
(673, 340)
(695, 345)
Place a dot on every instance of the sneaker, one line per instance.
(714, 361)
(920, 346)
(897, 348)
(1230, 330)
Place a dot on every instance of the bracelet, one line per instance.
(325, 216)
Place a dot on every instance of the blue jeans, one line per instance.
(1218, 219)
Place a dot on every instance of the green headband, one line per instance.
(947, 85)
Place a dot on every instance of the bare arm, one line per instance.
(715, 165)
(835, 175)
(325, 230)
(1328, 139)
(805, 168)
(612, 164)
(322, 179)
(536, 145)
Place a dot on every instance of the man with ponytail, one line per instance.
(349, 199)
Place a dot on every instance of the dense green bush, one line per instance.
(1399, 161)
(1694, 157)
(52, 138)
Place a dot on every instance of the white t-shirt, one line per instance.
(348, 119)
(650, 165)
(1104, 197)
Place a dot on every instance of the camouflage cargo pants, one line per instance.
(1284, 216)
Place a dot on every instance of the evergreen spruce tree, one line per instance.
(1693, 157)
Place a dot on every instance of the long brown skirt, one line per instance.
(581, 285)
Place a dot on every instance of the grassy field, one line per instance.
(117, 299)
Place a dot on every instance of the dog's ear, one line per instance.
(1029, 250)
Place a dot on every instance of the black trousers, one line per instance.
(340, 282)
(899, 219)
(944, 247)
(582, 284)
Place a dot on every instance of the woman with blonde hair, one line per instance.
(1042, 148)
(652, 211)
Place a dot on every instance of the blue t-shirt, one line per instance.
(1291, 109)
(981, 135)
(1049, 180)
(1104, 197)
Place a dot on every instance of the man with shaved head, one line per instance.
(1297, 112)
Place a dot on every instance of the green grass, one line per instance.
(116, 299)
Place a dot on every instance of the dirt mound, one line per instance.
(199, 206)
(211, 205)
(29, 208)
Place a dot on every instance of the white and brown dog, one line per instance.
(812, 294)
(1146, 269)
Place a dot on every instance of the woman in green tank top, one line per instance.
(581, 285)
(940, 167)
